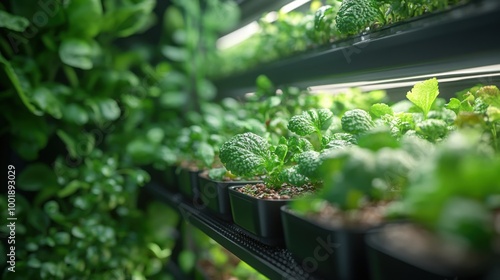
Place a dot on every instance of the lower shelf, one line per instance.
(273, 262)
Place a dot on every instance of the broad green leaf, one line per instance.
(13, 22)
(380, 109)
(35, 177)
(423, 94)
(84, 17)
(206, 90)
(77, 53)
(187, 261)
(176, 54)
(454, 104)
(378, 139)
(493, 113)
(141, 151)
(155, 135)
(173, 99)
(264, 85)
(47, 101)
(205, 153)
(108, 108)
(75, 114)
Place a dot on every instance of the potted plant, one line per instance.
(453, 205)
(452, 211)
(255, 208)
(359, 181)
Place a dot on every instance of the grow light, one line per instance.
(479, 73)
(245, 32)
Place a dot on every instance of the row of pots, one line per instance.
(331, 253)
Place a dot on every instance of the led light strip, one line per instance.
(245, 32)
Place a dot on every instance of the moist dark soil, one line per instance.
(369, 215)
(284, 192)
(204, 174)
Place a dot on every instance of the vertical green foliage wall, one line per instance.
(74, 96)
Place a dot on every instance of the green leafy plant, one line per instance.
(250, 155)
(441, 200)
(312, 122)
(423, 95)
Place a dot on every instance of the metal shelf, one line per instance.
(464, 37)
(273, 262)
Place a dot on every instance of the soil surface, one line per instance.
(284, 192)
(369, 215)
(204, 174)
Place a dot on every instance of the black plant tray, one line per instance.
(215, 196)
(273, 262)
(463, 37)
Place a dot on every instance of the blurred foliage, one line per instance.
(285, 34)
(85, 108)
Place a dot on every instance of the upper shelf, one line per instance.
(254, 9)
(463, 37)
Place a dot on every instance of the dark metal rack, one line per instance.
(273, 262)
(463, 37)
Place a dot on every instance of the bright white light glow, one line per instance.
(240, 35)
(470, 73)
(293, 5)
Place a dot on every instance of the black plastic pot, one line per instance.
(188, 183)
(331, 253)
(390, 264)
(214, 196)
(258, 218)
(165, 178)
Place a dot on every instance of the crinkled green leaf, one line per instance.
(245, 154)
(490, 95)
(356, 121)
(310, 121)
